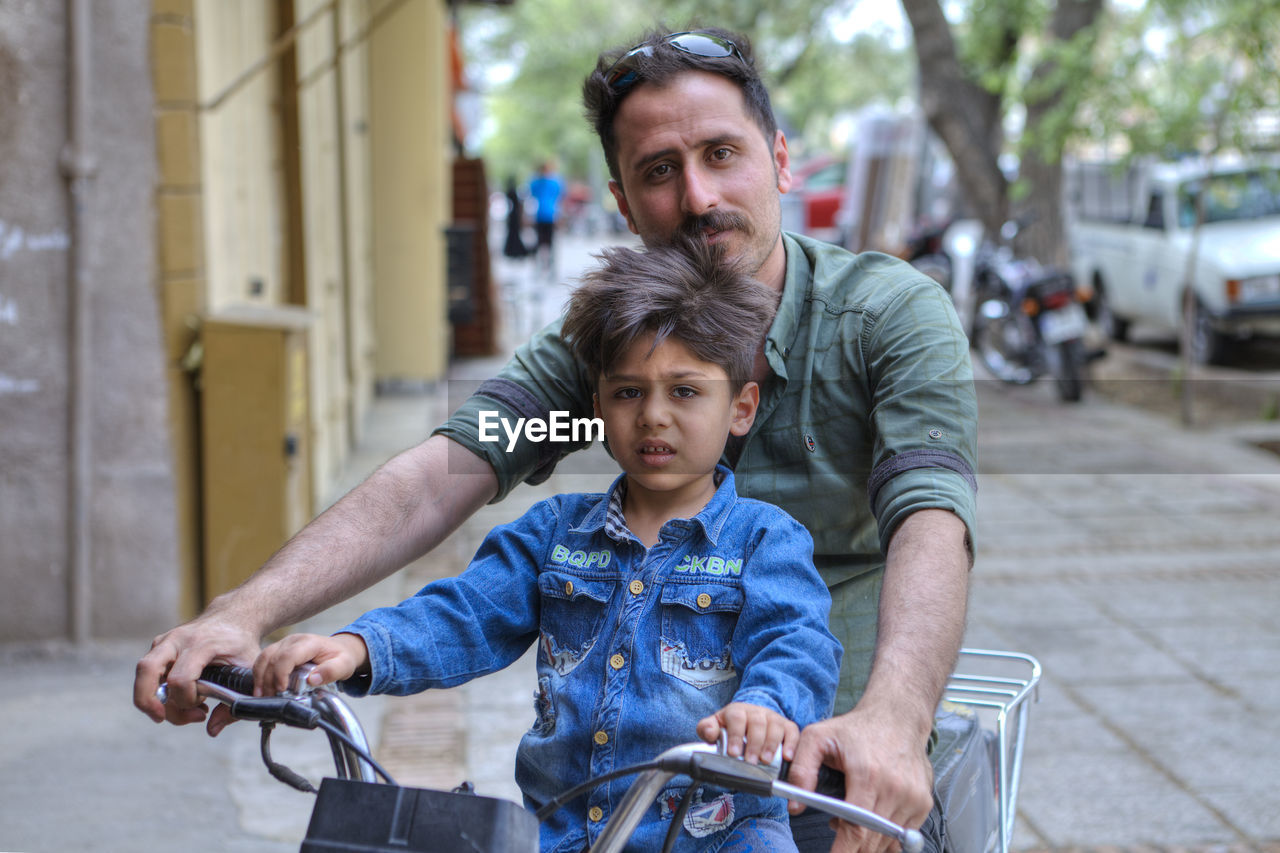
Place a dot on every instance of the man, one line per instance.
(866, 433)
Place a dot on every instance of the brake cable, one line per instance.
(277, 770)
(677, 820)
(550, 807)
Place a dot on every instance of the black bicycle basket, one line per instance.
(361, 817)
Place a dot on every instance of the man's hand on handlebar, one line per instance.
(752, 732)
(336, 658)
(177, 657)
(886, 770)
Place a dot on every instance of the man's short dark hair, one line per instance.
(684, 290)
(658, 66)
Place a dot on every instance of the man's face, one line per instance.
(667, 415)
(689, 154)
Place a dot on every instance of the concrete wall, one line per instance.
(322, 181)
(132, 583)
(240, 145)
(183, 284)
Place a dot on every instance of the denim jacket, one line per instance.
(635, 646)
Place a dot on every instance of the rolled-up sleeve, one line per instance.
(925, 411)
(542, 377)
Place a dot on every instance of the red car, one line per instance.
(819, 184)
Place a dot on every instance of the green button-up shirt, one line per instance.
(867, 416)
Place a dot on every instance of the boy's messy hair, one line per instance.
(684, 290)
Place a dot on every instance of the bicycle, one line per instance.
(355, 811)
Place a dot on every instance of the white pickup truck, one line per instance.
(1131, 234)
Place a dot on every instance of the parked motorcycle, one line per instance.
(1028, 320)
(925, 251)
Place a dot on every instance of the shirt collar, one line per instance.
(795, 289)
(607, 515)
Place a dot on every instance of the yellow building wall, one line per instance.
(411, 191)
(359, 241)
(324, 241)
(240, 138)
(361, 341)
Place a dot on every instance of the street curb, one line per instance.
(1154, 379)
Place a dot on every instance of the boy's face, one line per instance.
(668, 415)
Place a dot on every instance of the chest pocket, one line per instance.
(698, 621)
(572, 609)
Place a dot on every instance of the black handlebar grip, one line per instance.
(237, 678)
(830, 780)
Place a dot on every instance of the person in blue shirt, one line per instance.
(546, 190)
(666, 607)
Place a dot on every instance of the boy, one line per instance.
(667, 600)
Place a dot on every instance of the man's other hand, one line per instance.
(886, 771)
(177, 658)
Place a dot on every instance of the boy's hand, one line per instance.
(754, 733)
(336, 658)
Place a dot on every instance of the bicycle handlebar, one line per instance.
(306, 707)
(301, 706)
(224, 682)
(707, 763)
(237, 678)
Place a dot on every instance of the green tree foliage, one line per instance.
(995, 77)
(1184, 77)
(546, 47)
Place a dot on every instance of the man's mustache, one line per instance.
(714, 220)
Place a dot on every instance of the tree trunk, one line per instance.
(1041, 165)
(965, 116)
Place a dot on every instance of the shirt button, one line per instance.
(704, 601)
(595, 814)
(636, 587)
(568, 587)
(617, 661)
(601, 738)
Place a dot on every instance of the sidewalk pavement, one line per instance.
(1138, 560)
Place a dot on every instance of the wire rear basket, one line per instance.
(996, 686)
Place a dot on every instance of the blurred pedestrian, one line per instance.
(514, 246)
(546, 190)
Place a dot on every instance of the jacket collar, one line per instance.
(607, 515)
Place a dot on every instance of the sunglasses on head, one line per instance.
(622, 74)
